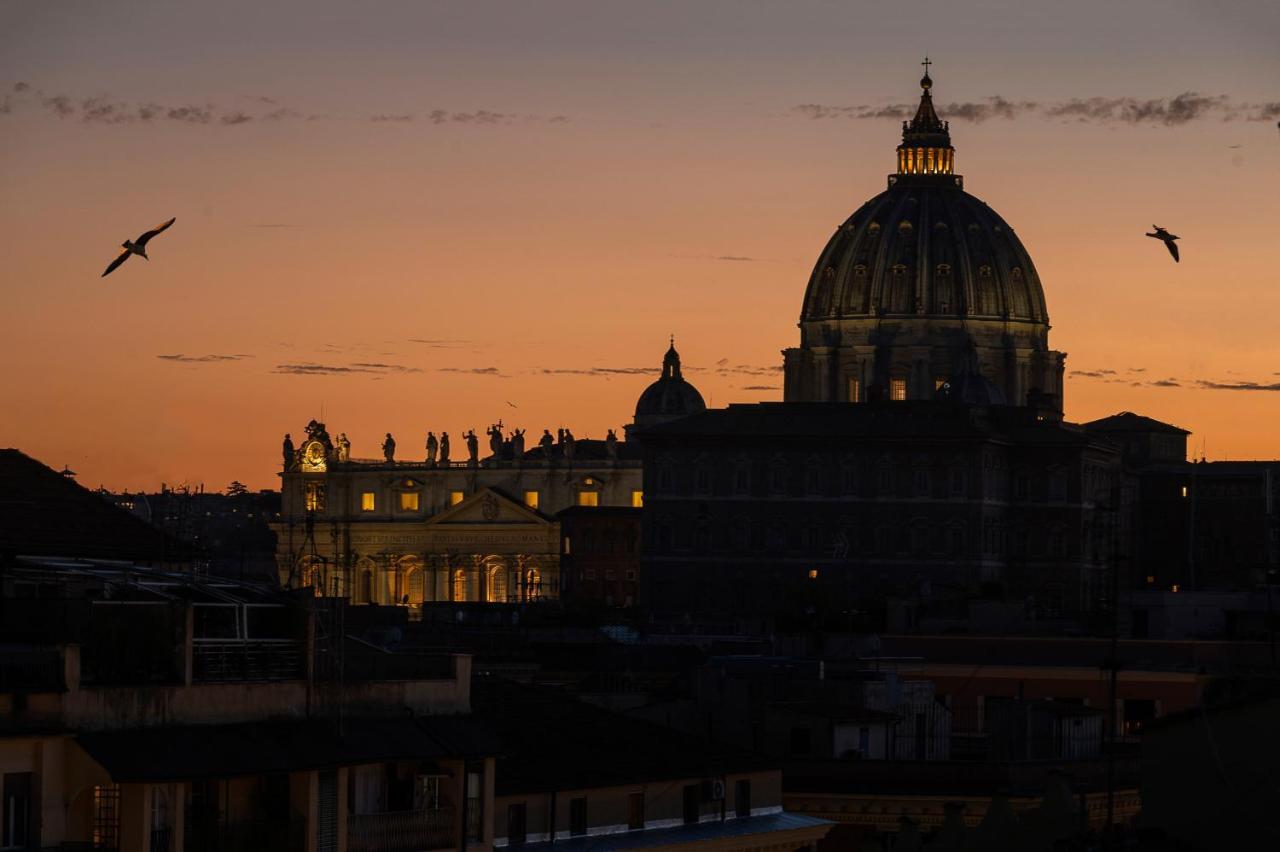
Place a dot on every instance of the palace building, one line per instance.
(440, 529)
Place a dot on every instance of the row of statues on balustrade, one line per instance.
(511, 446)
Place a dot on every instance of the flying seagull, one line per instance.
(1167, 238)
(512, 404)
(138, 246)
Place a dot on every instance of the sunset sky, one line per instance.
(415, 215)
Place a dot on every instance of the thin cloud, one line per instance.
(474, 371)
(1173, 111)
(1238, 386)
(759, 387)
(440, 343)
(201, 359)
(595, 371)
(105, 109)
(310, 368)
(1166, 383)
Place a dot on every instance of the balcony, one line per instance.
(401, 831)
(262, 660)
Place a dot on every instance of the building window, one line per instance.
(938, 383)
(854, 387)
(313, 497)
(631, 575)
(106, 816)
(516, 831)
(456, 497)
(897, 389)
(692, 795)
(800, 740)
(588, 498)
(16, 830)
(635, 811)
(637, 499)
(742, 797)
(742, 478)
(408, 501)
(567, 551)
(368, 502)
(578, 816)
(531, 499)
(475, 800)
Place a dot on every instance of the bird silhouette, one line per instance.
(512, 404)
(1166, 238)
(138, 246)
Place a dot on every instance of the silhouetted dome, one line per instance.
(972, 389)
(670, 397)
(925, 247)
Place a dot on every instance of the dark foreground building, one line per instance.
(789, 507)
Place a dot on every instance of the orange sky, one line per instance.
(576, 201)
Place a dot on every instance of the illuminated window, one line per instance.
(938, 383)
(313, 497)
(367, 502)
(1150, 579)
(897, 389)
(637, 499)
(1175, 587)
(588, 498)
(813, 573)
(855, 390)
(566, 544)
(531, 499)
(408, 501)
(456, 497)
(1184, 491)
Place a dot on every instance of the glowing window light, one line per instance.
(368, 501)
(409, 501)
(456, 497)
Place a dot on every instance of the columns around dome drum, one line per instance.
(889, 370)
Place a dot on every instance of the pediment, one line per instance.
(488, 506)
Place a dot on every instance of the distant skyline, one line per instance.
(415, 215)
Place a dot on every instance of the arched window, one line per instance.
(533, 584)
(497, 583)
(312, 573)
(365, 575)
(459, 585)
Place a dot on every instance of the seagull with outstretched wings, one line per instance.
(138, 246)
(1166, 238)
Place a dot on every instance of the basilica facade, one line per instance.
(484, 528)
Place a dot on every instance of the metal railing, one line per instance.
(214, 662)
(401, 831)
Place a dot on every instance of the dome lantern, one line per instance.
(926, 139)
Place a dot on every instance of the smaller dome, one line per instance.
(971, 388)
(670, 397)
